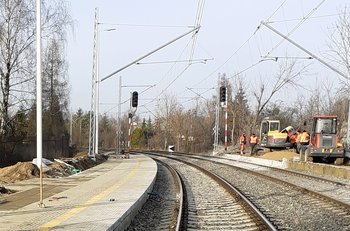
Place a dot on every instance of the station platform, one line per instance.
(105, 197)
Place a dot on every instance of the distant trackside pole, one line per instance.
(226, 120)
(39, 135)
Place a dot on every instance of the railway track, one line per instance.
(163, 209)
(335, 189)
(221, 208)
(288, 206)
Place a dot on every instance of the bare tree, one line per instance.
(17, 56)
(340, 46)
(287, 76)
(16, 50)
(166, 108)
(325, 100)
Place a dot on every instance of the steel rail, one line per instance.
(273, 179)
(179, 193)
(260, 217)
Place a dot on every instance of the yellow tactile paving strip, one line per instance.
(96, 204)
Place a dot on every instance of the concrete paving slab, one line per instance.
(110, 198)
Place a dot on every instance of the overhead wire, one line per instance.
(144, 25)
(199, 15)
(247, 68)
(276, 10)
(296, 27)
(198, 18)
(178, 76)
(298, 19)
(257, 42)
(266, 56)
(199, 95)
(247, 41)
(239, 48)
(174, 61)
(197, 23)
(228, 59)
(268, 19)
(166, 74)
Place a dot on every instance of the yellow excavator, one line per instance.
(272, 137)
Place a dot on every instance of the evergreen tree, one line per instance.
(241, 114)
(147, 132)
(55, 91)
(19, 124)
(136, 138)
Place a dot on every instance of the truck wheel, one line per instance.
(339, 161)
(260, 152)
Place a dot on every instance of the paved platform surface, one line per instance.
(105, 197)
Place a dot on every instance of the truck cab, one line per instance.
(324, 144)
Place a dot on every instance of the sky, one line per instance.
(228, 40)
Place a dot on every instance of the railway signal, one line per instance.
(134, 100)
(222, 94)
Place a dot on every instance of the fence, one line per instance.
(25, 150)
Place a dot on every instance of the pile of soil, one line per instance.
(4, 190)
(59, 168)
(279, 155)
(82, 162)
(18, 172)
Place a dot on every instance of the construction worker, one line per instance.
(304, 140)
(297, 140)
(242, 143)
(253, 141)
(293, 139)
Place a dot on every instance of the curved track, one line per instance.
(329, 188)
(163, 209)
(287, 205)
(221, 208)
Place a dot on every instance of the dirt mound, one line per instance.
(81, 154)
(279, 155)
(82, 162)
(59, 168)
(18, 172)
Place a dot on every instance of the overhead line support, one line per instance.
(148, 54)
(303, 49)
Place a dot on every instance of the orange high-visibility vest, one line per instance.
(253, 140)
(298, 137)
(304, 137)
